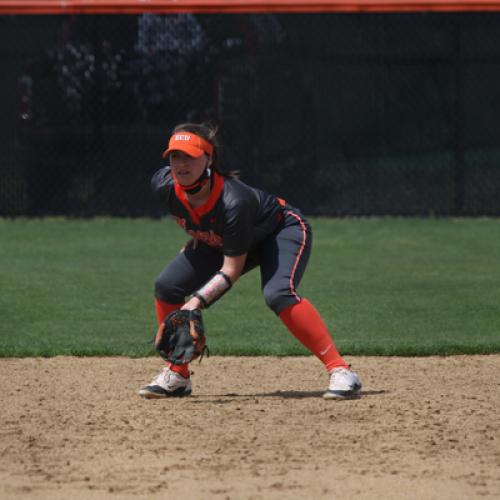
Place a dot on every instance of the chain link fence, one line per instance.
(341, 114)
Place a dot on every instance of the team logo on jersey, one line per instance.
(209, 237)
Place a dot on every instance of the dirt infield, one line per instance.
(255, 428)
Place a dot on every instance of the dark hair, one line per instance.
(209, 133)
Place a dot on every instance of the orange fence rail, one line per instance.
(240, 6)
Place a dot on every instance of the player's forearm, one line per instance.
(233, 267)
(218, 284)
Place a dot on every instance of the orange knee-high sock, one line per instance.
(306, 325)
(163, 309)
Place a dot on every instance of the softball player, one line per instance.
(234, 228)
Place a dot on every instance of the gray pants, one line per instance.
(282, 257)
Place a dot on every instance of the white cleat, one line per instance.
(166, 385)
(344, 384)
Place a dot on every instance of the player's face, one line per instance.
(186, 168)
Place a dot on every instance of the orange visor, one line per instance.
(189, 143)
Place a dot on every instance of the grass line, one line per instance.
(413, 287)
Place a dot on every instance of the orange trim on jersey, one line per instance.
(301, 251)
(197, 212)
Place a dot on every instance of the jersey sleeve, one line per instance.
(161, 184)
(239, 227)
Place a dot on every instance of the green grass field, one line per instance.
(383, 286)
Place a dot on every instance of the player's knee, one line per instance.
(275, 300)
(165, 291)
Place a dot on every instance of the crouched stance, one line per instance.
(234, 228)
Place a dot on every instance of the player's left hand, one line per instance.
(181, 337)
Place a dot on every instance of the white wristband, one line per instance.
(213, 289)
